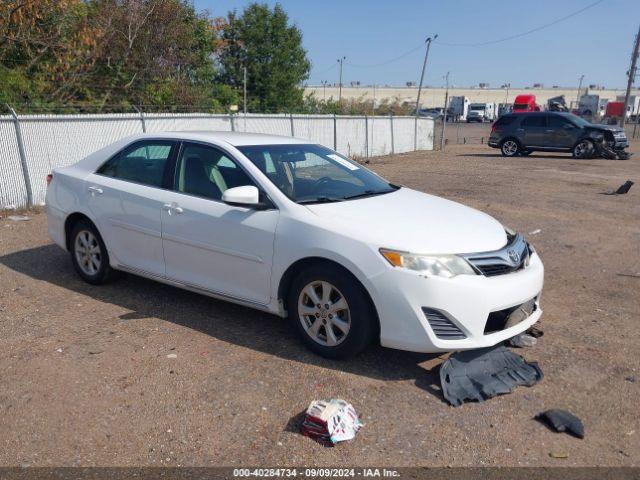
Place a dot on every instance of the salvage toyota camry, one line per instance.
(298, 230)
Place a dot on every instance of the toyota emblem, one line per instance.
(514, 256)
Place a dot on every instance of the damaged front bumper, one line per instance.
(435, 314)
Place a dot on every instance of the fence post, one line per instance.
(23, 157)
(335, 133)
(415, 134)
(391, 123)
(366, 136)
(233, 124)
(144, 125)
(291, 120)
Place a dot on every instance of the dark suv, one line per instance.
(523, 133)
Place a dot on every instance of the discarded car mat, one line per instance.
(484, 373)
(562, 421)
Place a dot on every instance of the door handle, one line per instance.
(172, 208)
(95, 191)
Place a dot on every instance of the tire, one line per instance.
(323, 329)
(526, 153)
(584, 149)
(89, 254)
(510, 147)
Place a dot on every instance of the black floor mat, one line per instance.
(484, 373)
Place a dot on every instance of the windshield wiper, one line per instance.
(321, 200)
(369, 193)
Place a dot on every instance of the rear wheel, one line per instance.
(331, 312)
(509, 148)
(89, 254)
(584, 149)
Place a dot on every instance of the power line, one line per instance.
(333, 65)
(391, 60)
(528, 32)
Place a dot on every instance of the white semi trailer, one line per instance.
(459, 107)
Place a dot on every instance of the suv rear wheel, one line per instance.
(509, 147)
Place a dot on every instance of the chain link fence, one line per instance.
(31, 146)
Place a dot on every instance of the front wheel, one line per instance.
(331, 312)
(509, 148)
(584, 149)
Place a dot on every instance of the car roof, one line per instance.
(237, 139)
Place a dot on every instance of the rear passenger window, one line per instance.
(556, 121)
(505, 120)
(143, 162)
(534, 121)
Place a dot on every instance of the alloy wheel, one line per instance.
(324, 313)
(510, 148)
(88, 253)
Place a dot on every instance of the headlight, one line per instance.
(447, 266)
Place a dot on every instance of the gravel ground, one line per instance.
(87, 378)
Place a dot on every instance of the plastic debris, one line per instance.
(172, 355)
(558, 455)
(484, 373)
(19, 218)
(330, 422)
(562, 421)
(535, 232)
(535, 332)
(622, 189)
(523, 340)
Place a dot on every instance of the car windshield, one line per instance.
(315, 174)
(477, 107)
(581, 122)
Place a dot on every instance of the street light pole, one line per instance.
(630, 80)
(506, 97)
(340, 61)
(579, 90)
(444, 118)
(245, 90)
(424, 66)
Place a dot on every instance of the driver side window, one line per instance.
(207, 172)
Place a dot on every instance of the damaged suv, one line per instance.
(521, 134)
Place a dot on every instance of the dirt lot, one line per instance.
(86, 379)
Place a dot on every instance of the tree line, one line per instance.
(114, 55)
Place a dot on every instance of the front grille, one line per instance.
(512, 257)
(444, 328)
(497, 321)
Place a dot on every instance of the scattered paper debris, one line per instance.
(536, 231)
(562, 421)
(172, 355)
(19, 218)
(59, 350)
(330, 422)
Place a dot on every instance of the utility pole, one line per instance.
(506, 97)
(340, 61)
(579, 90)
(245, 90)
(424, 66)
(444, 118)
(324, 90)
(632, 76)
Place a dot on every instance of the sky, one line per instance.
(596, 43)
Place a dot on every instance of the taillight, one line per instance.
(49, 178)
(494, 127)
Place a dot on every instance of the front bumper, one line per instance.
(467, 300)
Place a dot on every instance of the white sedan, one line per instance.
(298, 230)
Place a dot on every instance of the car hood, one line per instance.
(416, 222)
(610, 128)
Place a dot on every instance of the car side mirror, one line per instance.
(245, 196)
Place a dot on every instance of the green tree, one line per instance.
(262, 40)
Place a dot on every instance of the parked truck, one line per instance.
(592, 106)
(459, 107)
(633, 109)
(525, 103)
(482, 112)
